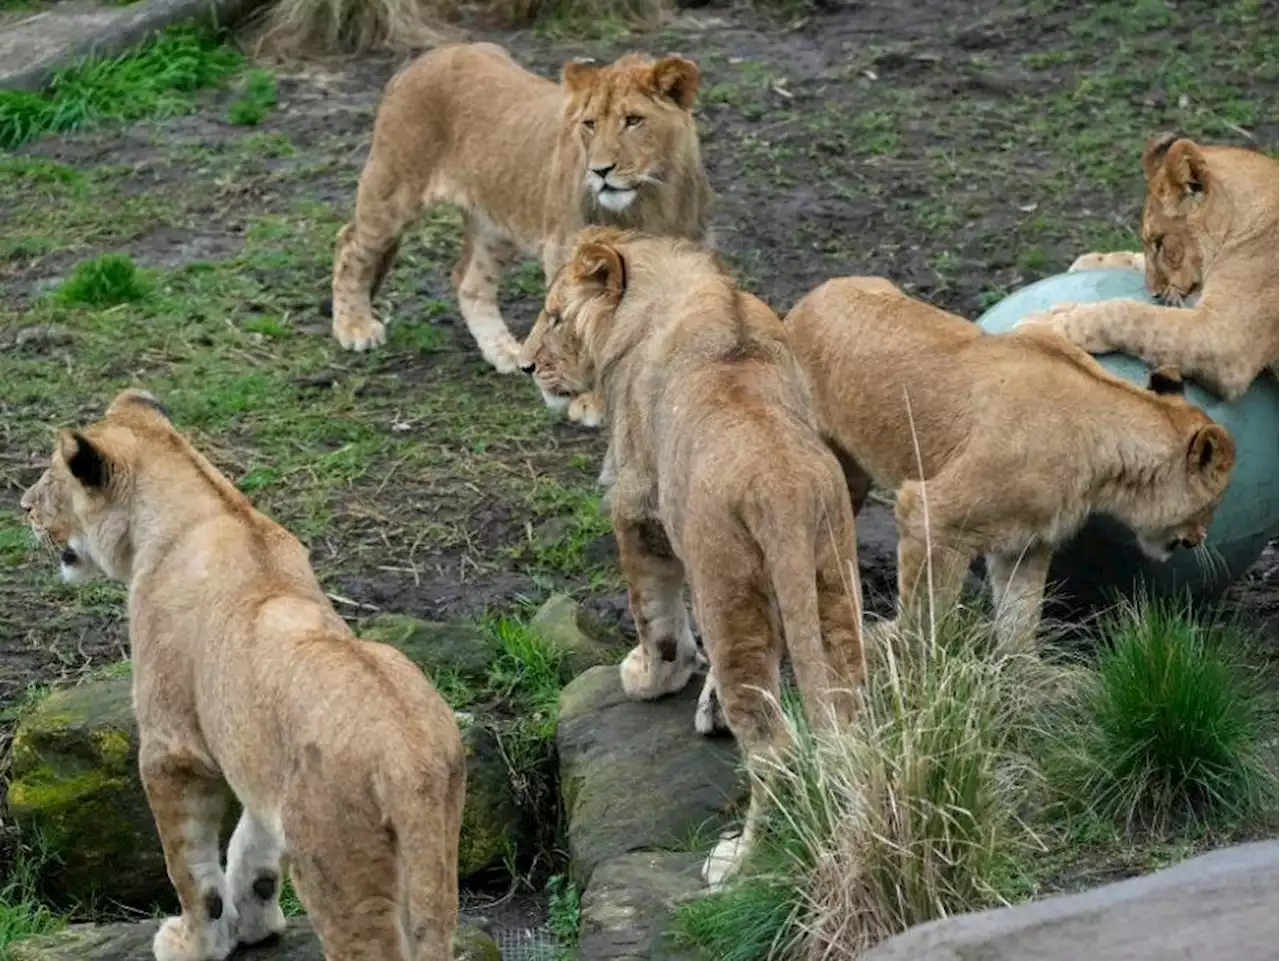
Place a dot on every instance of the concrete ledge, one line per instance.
(31, 50)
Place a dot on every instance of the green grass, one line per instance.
(105, 281)
(158, 80)
(256, 97)
(22, 913)
(1173, 727)
(564, 902)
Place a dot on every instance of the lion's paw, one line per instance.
(1113, 260)
(179, 939)
(645, 678)
(259, 920)
(586, 409)
(501, 351)
(359, 335)
(708, 719)
(724, 860)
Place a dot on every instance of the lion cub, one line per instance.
(530, 162)
(347, 762)
(1017, 438)
(722, 480)
(1209, 233)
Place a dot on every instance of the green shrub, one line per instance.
(1171, 726)
(256, 98)
(103, 282)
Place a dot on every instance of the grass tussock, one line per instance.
(22, 914)
(301, 29)
(918, 812)
(104, 281)
(1171, 730)
(156, 80)
(256, 97)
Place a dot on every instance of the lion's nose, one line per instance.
(602, 170)
(527, 368)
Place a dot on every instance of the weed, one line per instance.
(1172, 727)
(22, 913)
(156, 80)
(104, 282)
(564, 903)
(256, 98)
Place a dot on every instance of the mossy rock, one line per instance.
(567, 625)
(460, 649)
(132, 942)
(490, 817)
(76, 788)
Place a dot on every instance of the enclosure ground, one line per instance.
(960, 148)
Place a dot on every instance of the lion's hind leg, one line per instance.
(254, 863)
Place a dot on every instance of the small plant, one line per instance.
(565, 910)
(154, 81)
(22, 914)
(103, 282)
(257, 97)
(1171, 726)
(919, 811)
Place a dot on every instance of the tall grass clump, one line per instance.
(156, 80)
(919, 811)
(1173, 729)
(22, 913)
(103, 282)
(298, 29)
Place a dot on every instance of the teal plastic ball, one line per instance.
(1104, 561)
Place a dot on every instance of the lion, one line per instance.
(530, 162)
(1209, 235)
(348, 764)
(721, 480)
(998, 445)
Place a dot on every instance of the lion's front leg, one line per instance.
(188, 802)
(667, 656)
(1112, 260)
(1086, 325)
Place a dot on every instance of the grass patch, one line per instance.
(564, 904)
(919, 811)
(157, 80)
(105, 281)
(1172, 727)
(22, 913)
(256, 98)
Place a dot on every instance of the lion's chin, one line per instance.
(615, 200)
(557, 402)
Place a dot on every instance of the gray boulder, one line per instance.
(132, 942)
(635, 776)
(1219, 906)
(627, 908)
(564, 623)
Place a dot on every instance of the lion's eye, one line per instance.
(589, 125)
(632, 120)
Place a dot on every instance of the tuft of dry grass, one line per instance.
(921, 810)
(303, 29)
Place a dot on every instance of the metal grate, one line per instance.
(527, 944)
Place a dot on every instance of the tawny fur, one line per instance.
(721, 480)
(526, 159)
(348, 763)
(1019, 437)
(1209, 232)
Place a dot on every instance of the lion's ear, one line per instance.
(602, 265)
(1211, 452)
(86, 462)
(1186, 167)
(1166, 379)
(1153, 153)
(677, 79)
(576, 76)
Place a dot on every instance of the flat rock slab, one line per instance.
(132, 942)
(1220, 905)
(33, 48)
(627, 908)
(635, 776)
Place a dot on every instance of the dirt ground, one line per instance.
(962, 148)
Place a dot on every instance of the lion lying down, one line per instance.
(346, 760)
(1018, 437)
(721, 480)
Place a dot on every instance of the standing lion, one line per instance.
(530, 162)
(721, 481)
(347, 762)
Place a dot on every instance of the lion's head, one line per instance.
(634, 121)
(1176, 217)
(80, 506)
(560, 350)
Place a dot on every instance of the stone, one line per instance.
(1216, 905)
(564, 623)
(458, 649)
(132, 942)
(490, 817)
(75, 784)
(635, 776)
(626, 909)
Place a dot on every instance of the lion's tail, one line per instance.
(423, 804)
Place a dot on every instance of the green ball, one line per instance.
(1104, 561)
